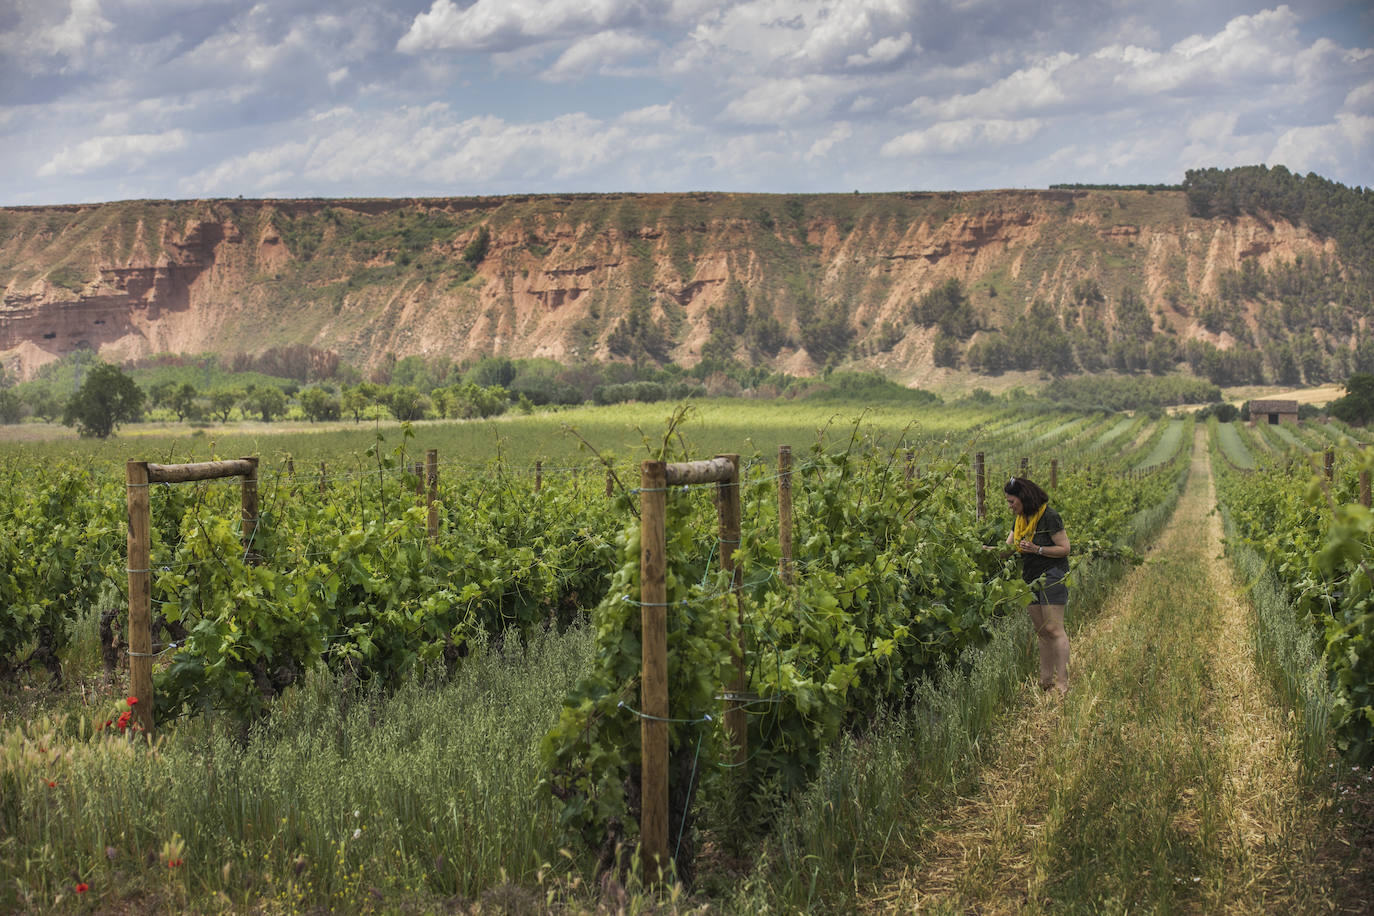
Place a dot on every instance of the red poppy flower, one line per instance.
(133, 701)
(82, 887)
(51, 784)
(174, 863)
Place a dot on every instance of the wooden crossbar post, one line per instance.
(140, 592)
(138, 476)
(653, 687)
(728, 514)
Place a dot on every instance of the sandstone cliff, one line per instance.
(366, 278)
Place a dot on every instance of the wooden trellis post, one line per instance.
(432, 493)
(1054, 473)
(139, 475)
(1364, 489)
(1330, 464)
(653, 685)
(728, 517)
(610, 481)
(655, 478)
(785, 513)
(980, 485)
(538, 476)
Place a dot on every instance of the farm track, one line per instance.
(1168, 781)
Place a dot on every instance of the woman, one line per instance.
(1038, 535)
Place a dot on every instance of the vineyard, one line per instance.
(1296, 501)
(397, 680)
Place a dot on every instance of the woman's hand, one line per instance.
(1026, 546)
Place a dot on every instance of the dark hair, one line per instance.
(1031, 496)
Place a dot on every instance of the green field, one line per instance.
(365, 719)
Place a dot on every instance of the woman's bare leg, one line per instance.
(1054, 645)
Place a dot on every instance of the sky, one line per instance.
(125, 99)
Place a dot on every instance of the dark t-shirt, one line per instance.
(1033, 566)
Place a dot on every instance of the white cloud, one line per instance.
(822, 147)
(431, 144)
(884, 51)
(1360, 100)
(784, 101)
(968, 136)
(1028, 90)
(127, 150)
(604, 53)
(652, 114)
(506, 25)
(82, 25)
(1324, 146)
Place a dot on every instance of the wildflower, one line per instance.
(357, 832)
(133, 701)
(173, 863)
(52, 784)
(82, 887)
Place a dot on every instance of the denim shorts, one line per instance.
(1053, 590)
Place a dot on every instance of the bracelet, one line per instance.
(1041, 550)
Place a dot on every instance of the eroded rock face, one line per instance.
(559, 274)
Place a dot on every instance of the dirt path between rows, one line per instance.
(1169, 780)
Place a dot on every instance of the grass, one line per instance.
(344, 797)
(1166, 446)
(1235, 450)
(625, 431)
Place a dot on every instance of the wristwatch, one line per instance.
(1040, 550)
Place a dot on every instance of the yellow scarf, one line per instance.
(1025, 525)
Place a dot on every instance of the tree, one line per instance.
(1357, 406)
(948, 307)
(476, 250)
(11, 406)
(182, 400)
(43, 402)
(106, 398)
(406, 402)
(493, 370)
(160, 393)
(319, 404)
(268, 400)
(223, 401)
(358, 398)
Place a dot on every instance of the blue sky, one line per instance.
(119, 99)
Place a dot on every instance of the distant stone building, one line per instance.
(1273, 411)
